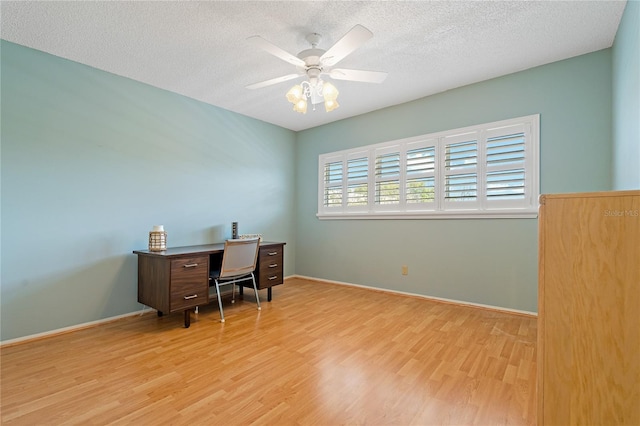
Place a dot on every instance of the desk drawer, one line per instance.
(189, 282)
(270, 266)
(269, 278)
(270, 257)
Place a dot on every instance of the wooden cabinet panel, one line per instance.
(154, 274)
(589, 304)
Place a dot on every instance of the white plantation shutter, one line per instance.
(460, 169)
(387, 178)
(333, 175)
(488, 170)
(420, 175)
(506, 178)
(358, 181)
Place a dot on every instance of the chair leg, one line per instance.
(219, 302)
(255, 289)
(233, 292)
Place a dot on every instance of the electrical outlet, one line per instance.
(405, 270)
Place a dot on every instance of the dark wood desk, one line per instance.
(177, 279)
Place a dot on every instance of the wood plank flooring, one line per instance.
(318, 354)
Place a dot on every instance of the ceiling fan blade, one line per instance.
(272, 81)
(276, 51)
(358, 75)
(347, 44)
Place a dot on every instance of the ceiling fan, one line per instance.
(314, 63)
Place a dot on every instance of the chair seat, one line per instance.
(215, 275)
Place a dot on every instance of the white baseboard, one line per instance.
(72, 328)
(85, 325)
(422, 296)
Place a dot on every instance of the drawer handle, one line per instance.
(193, 296)
(191, 265)
(273, 253)
(273, 265)
(273, 278)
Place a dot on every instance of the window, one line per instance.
(490, 170)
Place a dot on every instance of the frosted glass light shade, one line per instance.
(330, 105)
(329, 91)
(300, 106)
(294, 94)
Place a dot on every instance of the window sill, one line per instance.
(460, 214)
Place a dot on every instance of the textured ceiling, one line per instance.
(200, 49)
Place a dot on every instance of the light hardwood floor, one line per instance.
(318, 354)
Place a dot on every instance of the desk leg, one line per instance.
(187, 318)
(268, 293)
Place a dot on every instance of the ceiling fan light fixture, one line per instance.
(300, 94)
(315, 63)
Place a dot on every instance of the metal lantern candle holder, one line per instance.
(157, 239)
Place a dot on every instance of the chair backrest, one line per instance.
(239, 258)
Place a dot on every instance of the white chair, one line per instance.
(238, 263)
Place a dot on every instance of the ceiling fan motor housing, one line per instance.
(313, 72)
(311, 56)
(313, 68)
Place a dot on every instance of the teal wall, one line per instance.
(626, 100)
(486, 261)
(91, 161)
